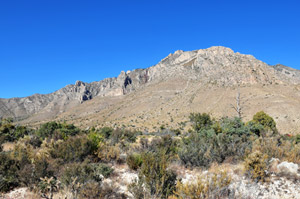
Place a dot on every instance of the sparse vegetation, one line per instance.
(256, 166)
(60, 157)
(214, 186)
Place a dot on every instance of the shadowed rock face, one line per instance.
(217, 66)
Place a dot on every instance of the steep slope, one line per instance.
(183, 82)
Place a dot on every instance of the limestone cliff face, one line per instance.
(218, 66)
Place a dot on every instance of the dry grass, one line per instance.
(8, 146)
(162, 102)
(287, 151)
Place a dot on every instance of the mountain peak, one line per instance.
(217, 66)
(220, 49)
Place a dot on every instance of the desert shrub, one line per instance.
(278, 147)
(111, 191)
(91, 190)
(84, 172)
(106, 132)
(209, 187)
(120, 135)
(57, 130)
(134, 161)
(165, 142)
(265, 120)
(177, 132)
(256, 166)
(21, 167)
(81, 171)
(234, 126)
(200, 121)
(75, 148)
(10, 132)
(20, 132)
(8, 172)
(108, 153)
(157, 179)
(31, 165)
(101, 169)
(168, 144)
(138, 189)
(47, 129)
(96, 139)
(297, 139)
(95, 190)
(256, 128)
(34, 141)
(6, 130)
(217, 127)
(22, 153)
(30, 174)
(228, 137)
(41, 168)
(48, 186)
(2, 140)
(193, 150)
(199, 150)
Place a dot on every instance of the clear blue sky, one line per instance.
(47, 44)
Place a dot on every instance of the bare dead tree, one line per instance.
(238, 107)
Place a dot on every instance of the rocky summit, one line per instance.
(205, 80)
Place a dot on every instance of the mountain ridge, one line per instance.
(216, 66)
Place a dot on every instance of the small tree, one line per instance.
(200, 121)
(265, 120)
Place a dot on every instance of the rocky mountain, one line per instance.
(201, 80)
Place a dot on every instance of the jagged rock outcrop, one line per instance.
(217, 66)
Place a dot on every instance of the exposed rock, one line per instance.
(216, 66)
(277, 188)
(19, 193)
(273, 165)
(288, 168)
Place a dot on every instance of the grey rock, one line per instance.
(216, 65)
(288, 168)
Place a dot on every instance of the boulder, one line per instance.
(273, 164)
(288, 168)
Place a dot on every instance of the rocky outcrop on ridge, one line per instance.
(218, 66)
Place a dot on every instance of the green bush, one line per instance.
(120, 135)
(8, 172)
(31, 166)
(96, 139)
(255, 128)
(101, 169)
(75, 148)
(229, 138)
(84, 172)
(106, 132)
(154, 174)
(200, 121)
(10, 132)
(265, 120)
(134, 161)
(165, 142)
(57, 130)
(234, 126)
